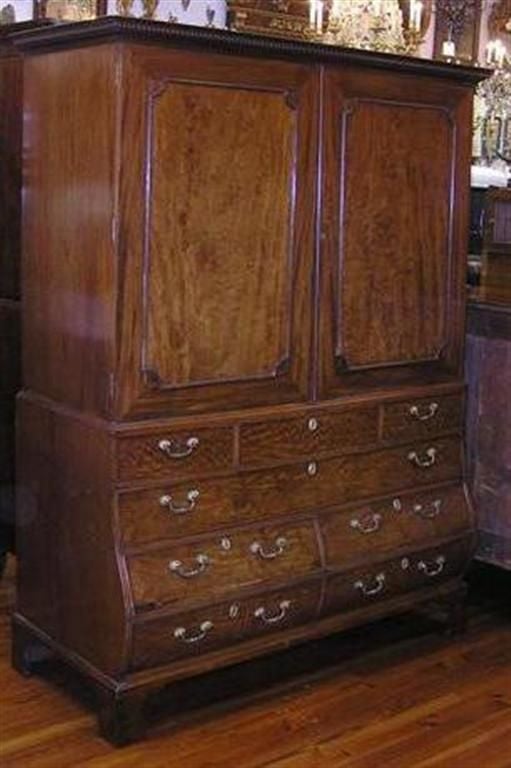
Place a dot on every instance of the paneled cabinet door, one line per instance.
(395, 176)
(218, 226)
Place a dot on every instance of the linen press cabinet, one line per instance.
(243, 275)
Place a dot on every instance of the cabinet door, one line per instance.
(217, 199)
(395, 176)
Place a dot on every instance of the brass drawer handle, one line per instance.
(175, 449)
(425, 415)
(424, 461)
(428, 511)
(369, 525)
(180, 509)
(432, 569)
(181, 633)
(176, 566)
(260, 613)
(369, 591)
(258, 549)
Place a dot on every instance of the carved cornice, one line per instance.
(110, 28)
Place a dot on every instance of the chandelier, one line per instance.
(492, 108)
(376, 25)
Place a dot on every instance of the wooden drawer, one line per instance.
(176, 510)
(174, 454)
(361, 587)
(201, 505)
(159, 641)
(422, 418)
(316, 433)
(394, 523)
(214, 566)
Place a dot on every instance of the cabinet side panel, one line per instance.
(70, 576)
(36, 594)
(68, 245)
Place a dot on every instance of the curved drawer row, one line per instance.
(188, 571)
(166, 639)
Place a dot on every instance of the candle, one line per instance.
(312, 13)
(411, 14)
(418, 15)
(448, 49)
(415, 15)
(316, 15)
(319, 17)
(501, 53)
(496, 53)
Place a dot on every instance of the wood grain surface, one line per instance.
(301, 486)
(364, 532)
(231, 564)
(154, 641)
(216, 294)
(420, 418)
(68, 278)
(392, 263)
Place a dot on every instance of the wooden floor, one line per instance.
(397, 695)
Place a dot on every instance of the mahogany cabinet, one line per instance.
(241, 422)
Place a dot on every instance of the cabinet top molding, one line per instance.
(119, 29)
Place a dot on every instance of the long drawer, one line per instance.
(214, 566)
(361, 533)
(177, 509)
(159, 641)
(368, 584)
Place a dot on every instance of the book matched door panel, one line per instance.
(225, 220)
(391, 257)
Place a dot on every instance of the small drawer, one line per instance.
(394, 523)
(364, 586)
(160, 641)
(439, 563)
(316, 433)
(174, 453)
(422, 418)
(214, 566)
